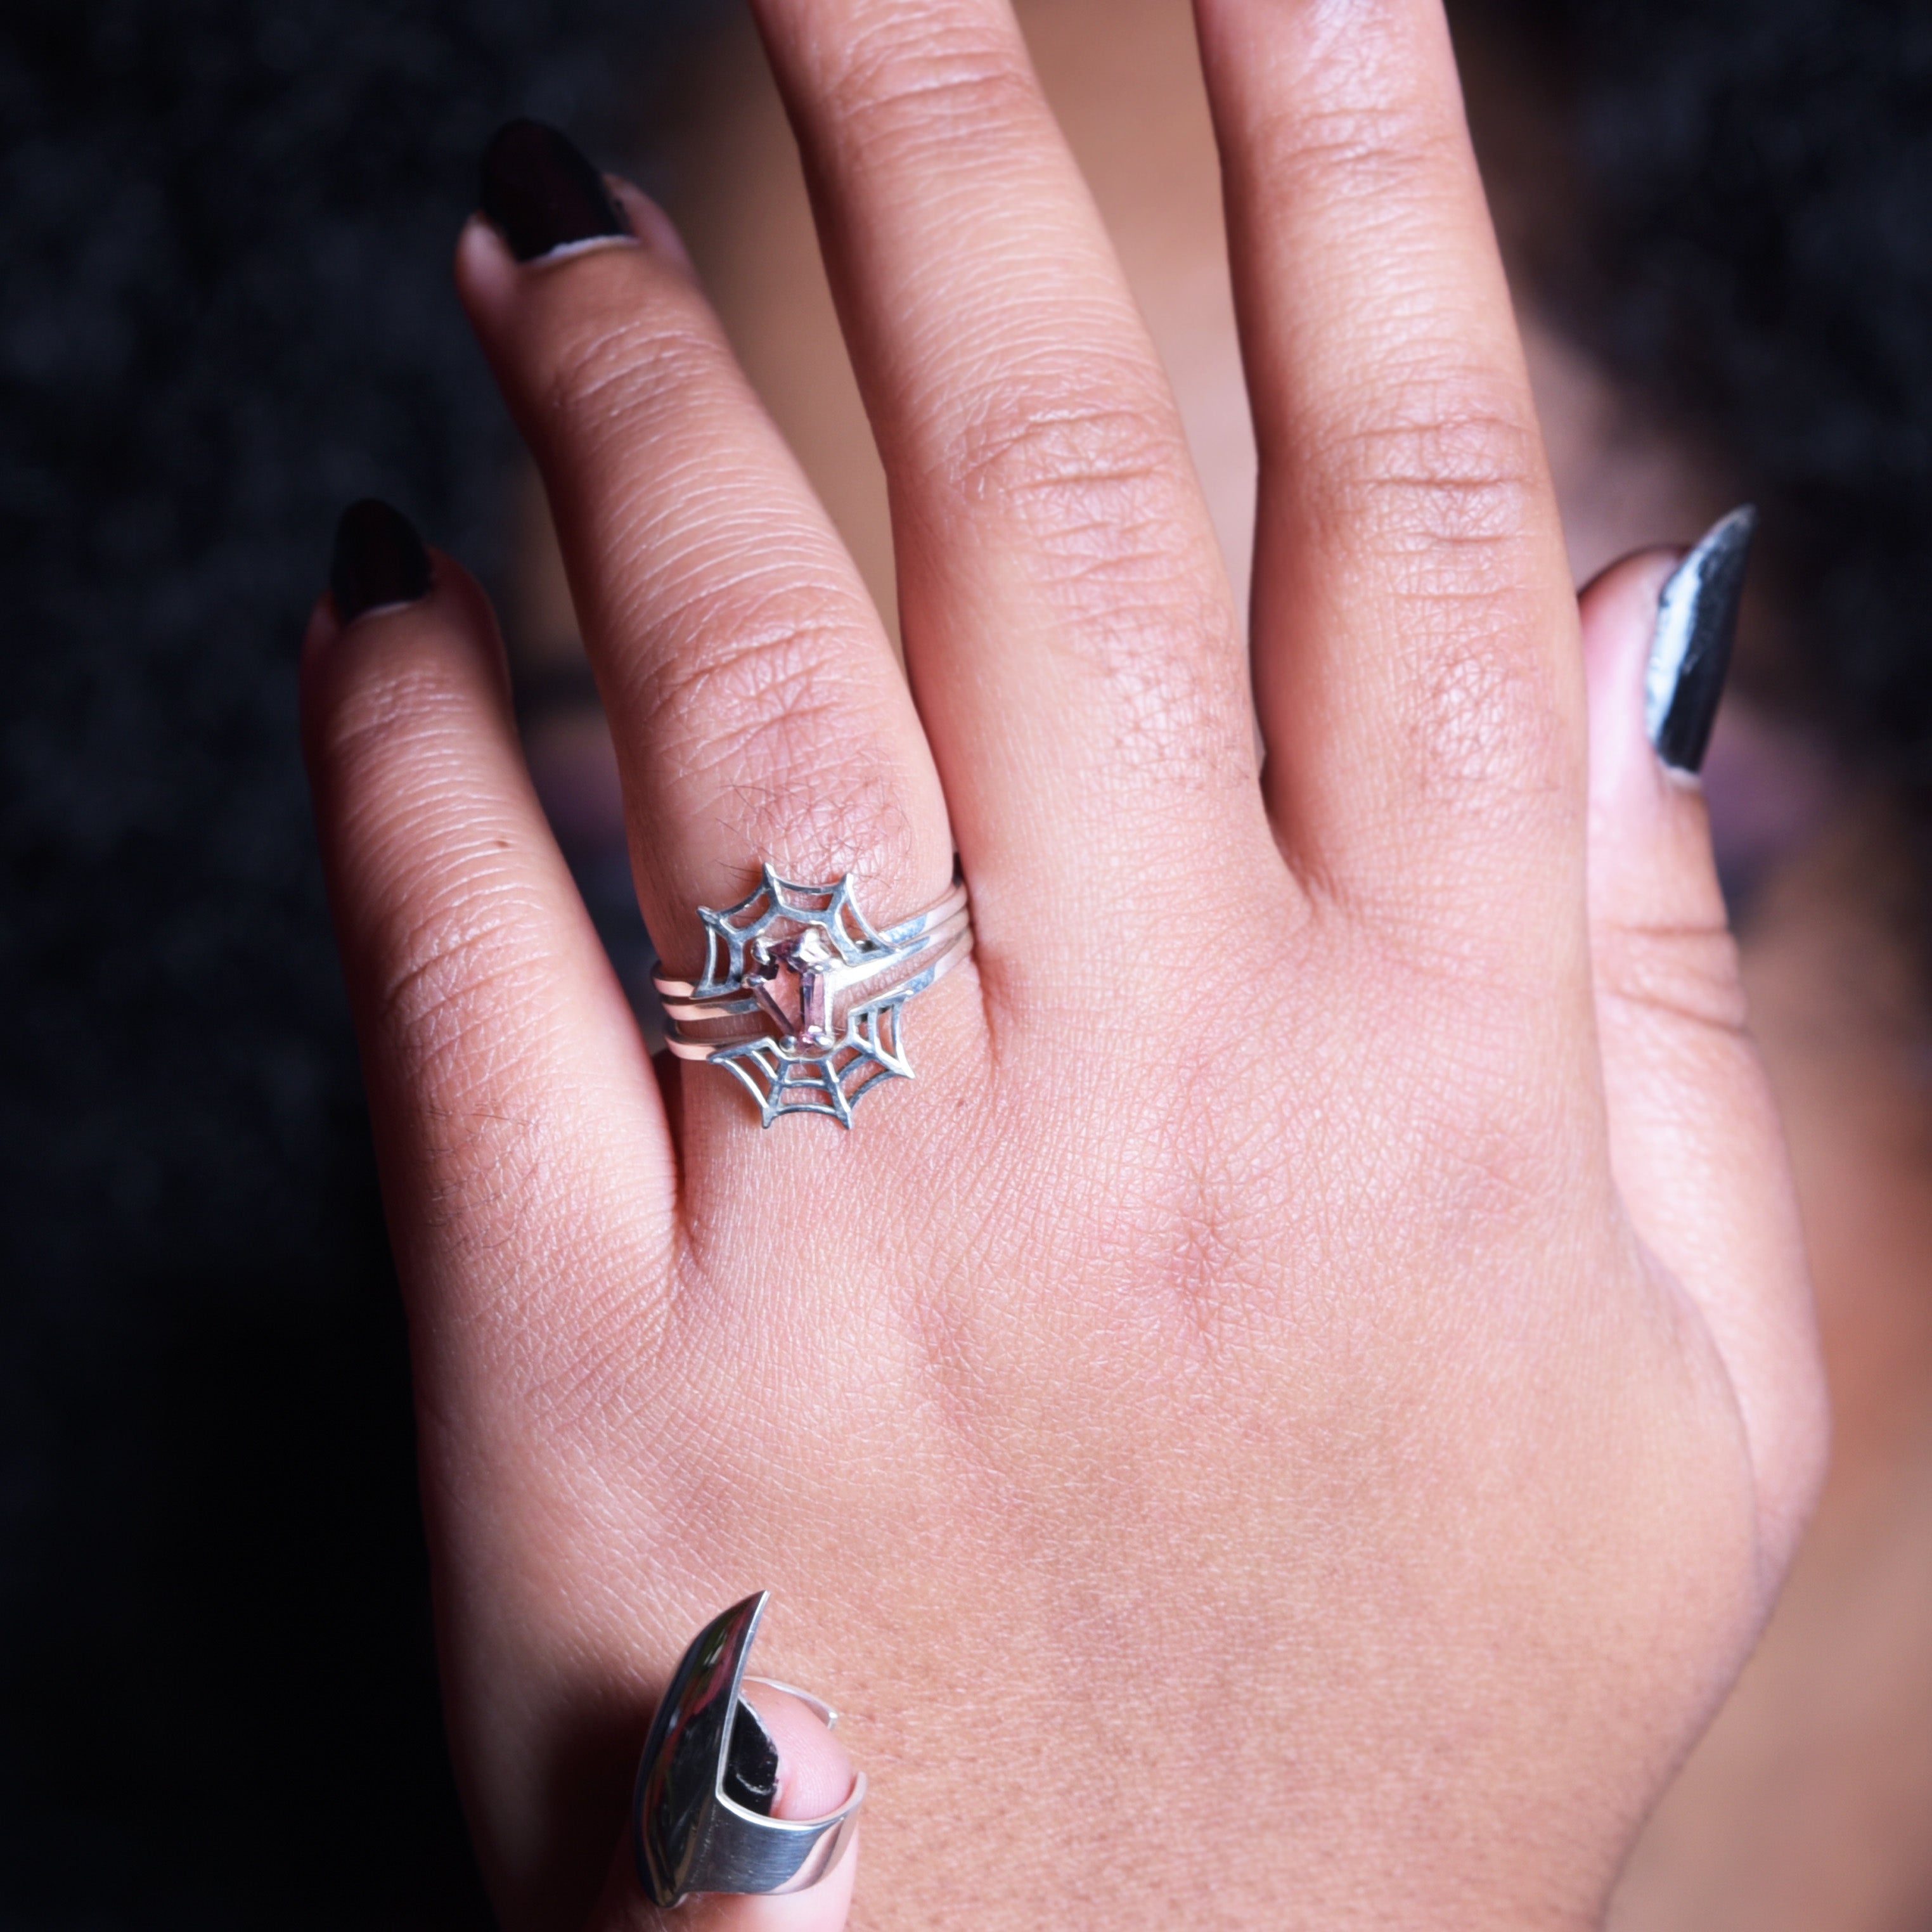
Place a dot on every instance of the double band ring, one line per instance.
(802, 999)
(700, 1816)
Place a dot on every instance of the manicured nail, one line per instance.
(1690, 648)
(541, 194)
(751, 1764)
(379, 559)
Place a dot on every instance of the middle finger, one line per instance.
(1069, 628)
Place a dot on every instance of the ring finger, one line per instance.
(759, 714)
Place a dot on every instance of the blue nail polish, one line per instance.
(1690, 647)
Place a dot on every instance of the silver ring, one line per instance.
(708, 1764)
(802, 999)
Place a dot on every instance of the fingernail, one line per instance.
(540, 193)
(1690, 647)
(379, 559)
(751, 1764)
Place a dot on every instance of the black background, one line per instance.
(225, 311)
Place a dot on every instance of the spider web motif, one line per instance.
(788, 1076)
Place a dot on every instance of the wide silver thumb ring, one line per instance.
(708, 1766)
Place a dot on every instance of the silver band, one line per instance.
(688, 1833)
(802, 999)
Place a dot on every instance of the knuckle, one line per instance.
(765, 681)
(1491, 1175)
(1376, 157)
(1686, 974)
(600, 379)
(409, 699)
(1050, 451)
(460, 973)
(400, 748)
(1471, 1150)
(1101, 490)
(448, 931)
(1443, 468)
(765, 718)
(1443, 488)
(908, 85)
(1487, 738)
(492, 1183)
(1486, 1156)
(462, 1009)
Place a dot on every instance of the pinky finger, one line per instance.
(515, 1107)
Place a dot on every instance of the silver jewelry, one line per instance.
(802, 999)
(707, 1764)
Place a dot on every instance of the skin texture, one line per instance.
(1325, 1338)
(1805, 1803)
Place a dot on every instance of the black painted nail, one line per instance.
(379, 559)
(1690, 647)
(751, 1764)
(541, 193)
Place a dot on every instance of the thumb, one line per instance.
(813, 1778)
(1695, 1140)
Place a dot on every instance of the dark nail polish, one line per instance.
(751, 1764)
(541, 193)
(379, 559)
(1690, 647)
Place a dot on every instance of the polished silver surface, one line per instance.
(688, 1833)
(818, 1706)
(802, 1000)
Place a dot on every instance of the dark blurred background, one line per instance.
(225, 311)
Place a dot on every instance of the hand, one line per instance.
(1296, 1414)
